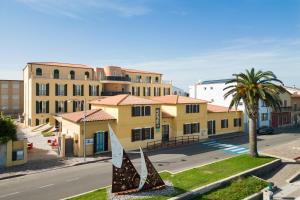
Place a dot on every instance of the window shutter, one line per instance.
(198, 108)
(184, 129)
(37, 122)
(159, 91)
(144, 91)
(138, 91)
(74, 108)
(132, 111)
(47, 89)
(149, 91)
(74, 90)
(147, 110)
(66, 90)
(132, 135)
(82, 105)
(66, 106)
(98, 90)
(194, 108)
(143, 134)
(37, 107)
(37, 89)
(152, 133)
(90, 90)
(47, 107)
(187, 108)
(56, 106)
(82, 90)
(56, 90)
(143, 111)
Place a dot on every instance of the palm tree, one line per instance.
(250, 87)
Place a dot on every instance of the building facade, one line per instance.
(11, 97)
(51, 89)
(139, 121)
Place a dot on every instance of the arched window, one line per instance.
(56, 74)
(38, 72)
(87, 75)
(72, 74)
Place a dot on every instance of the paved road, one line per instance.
(65, 182)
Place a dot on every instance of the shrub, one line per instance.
(8, 129)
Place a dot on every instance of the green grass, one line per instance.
(200, 176)
(48, 134)
(236, 190)
(96, 195)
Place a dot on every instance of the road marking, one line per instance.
(244, 151)
(238, 149)
(234, 147)
(72, 179)
(209, 142)
(10, 194)
(45, 186)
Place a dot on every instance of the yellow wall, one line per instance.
(13, 146)
(218, 116)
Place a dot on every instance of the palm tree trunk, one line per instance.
(253, 137)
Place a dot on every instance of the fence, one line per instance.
(175, 141)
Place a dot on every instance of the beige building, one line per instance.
(51, 89)
(11, 97)
(139, 122)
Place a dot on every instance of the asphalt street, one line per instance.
(61, 183)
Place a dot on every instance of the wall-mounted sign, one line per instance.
(157, 119)
(89, 141)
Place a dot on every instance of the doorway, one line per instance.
(165, 133)
(101, 142)
(211, 126)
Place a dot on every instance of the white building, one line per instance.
(213, 91)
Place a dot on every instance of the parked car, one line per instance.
(265, 130)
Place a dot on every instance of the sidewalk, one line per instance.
(42, 165)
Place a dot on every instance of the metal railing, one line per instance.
(112, 93)
(172, 142)
(115, 78)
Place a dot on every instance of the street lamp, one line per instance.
(84, 126)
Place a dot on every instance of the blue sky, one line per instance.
(187, 40)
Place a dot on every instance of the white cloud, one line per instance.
(279, 56)
(76, 8)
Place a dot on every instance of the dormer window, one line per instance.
(72, 75)
(39, 72)
(56, 74)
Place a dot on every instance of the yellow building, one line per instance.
(140, 121)
(13, 153)
(220, 120)
(51, 88)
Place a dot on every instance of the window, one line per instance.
(135, 91)
(4, 97)
(138, 78)
(140, 134)
(56, 74)
(61, 106)
(147, 91)
(264, 117)
(167, 91)
(237, 122)
(78, 90)
(157, 91)
(263, 104)
(148, 79)
(61, 90)
(94, 90)
(87, 75)
(192, 108)
(78, 106)
(140, 111)
(191, 128)
(224, 123)
(16, 85)
(72, 75)
(42, 89)
(285, 103)
(295, 107)
(38, 72)
(156, 79)
(42, 107)
(4, 85)
(15, 97)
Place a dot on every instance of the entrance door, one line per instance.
(211, 126)
(101, 142)
(2, 155)
(165, 133)
(69, 147)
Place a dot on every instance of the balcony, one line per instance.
(286, 109)
(112, 93)
(116, 78)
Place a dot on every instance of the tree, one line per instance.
(8, 129)
(250, 87)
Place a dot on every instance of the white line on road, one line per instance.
(239, 149)
(72, 179)
(244, 151)
(10, 194)
(45, 186)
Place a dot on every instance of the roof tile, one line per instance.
(176, 99)
(91, 115)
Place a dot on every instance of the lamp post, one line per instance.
(84, 126)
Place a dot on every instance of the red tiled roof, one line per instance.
(214, 108)
(176, 99)
(124, 99)
(166, 115)
(91, 115)
(60, 64)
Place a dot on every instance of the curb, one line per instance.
(51, 169)
(77, 195)
(294, 177)
(279, 157)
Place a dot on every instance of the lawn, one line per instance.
(200, 176)
(236, 190)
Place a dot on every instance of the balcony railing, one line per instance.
(62, 76)
(112, 93)
(172, 142)
(115, 78)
